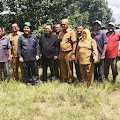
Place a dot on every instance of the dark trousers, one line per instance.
(5, 69)
(45, 63)
(31, 72)
(99, 71)
(77, 68)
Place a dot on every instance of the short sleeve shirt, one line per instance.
(67, 38)
(14, 42)
(4, 46)
(100, 39)
(112, 45)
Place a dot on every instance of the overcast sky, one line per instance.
(115, 6)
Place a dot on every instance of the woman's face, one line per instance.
(84, 35)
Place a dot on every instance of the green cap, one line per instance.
(28, 24)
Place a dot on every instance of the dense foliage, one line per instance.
(40, 12)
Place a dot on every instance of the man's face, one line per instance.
(64, 25)
(27, 30)
(111, 28)
(0, 32)
(48, 29)
(79, 29)
(97, 27)
(15, 28)
(57, 28)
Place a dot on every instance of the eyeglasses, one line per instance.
(62, 24)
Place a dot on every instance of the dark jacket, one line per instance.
(28, 47)
(49, 45)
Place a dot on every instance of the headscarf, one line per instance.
(88, 35)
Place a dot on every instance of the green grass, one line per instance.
(59, 101)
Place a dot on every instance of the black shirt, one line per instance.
(28, 47)
(49, 45)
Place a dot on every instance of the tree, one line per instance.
(40, 12)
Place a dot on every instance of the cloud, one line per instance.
(115, 6)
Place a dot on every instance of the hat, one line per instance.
(28, 24)
(111, 23)
(97, 21)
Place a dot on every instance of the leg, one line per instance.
(63, 67)
(15, 68)
(1, 68)
(34, 70)
(22, 72)
(83, 73)
(114, 68)
(101, 71)
(51, 65)
(106, 68)
(6, 71)
(27, 72)
(77, 68)
(44, 67)
(56, 68)
(89, 74)
(69, 65)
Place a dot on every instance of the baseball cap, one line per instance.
(97, 21)
(111, 23)
(28, 24)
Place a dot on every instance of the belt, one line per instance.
(66, 51)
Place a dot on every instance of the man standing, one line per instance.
(5, 55)
(101, 40)
(112, 51)
(79, 37)
(49, 47)
(67, 51)
(15, 59)
(28, 52)
(57, 62)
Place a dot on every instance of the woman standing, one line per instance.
(87, 55)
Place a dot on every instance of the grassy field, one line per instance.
(60, 101)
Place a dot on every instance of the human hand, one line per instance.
(55, 57)
(21, 59)
(37, 57)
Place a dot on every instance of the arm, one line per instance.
(73, 51)
(56, 48)
(37, 49)
(77, 55)
(95, 52)
(74, 43)
(20, 49)
(104, 51)
(10, 58)
(105, 46)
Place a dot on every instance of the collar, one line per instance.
(27, 36)
(111, 35)
(97, 33)
(16, 33)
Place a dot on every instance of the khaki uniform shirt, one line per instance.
(84, 50)
(67, 39)
(14, 42)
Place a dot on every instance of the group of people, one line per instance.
(91, 52)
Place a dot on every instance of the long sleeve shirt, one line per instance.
(28, 47)
(49, 45)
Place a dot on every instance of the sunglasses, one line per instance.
(62, 24)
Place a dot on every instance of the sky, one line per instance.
(115, 6)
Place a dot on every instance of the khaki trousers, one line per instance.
(87, 73)
(16, 64)
(66, 66)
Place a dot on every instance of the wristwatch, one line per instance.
(73, 53)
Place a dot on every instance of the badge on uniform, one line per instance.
(25, 40)
(73, 34)
(34, 40)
